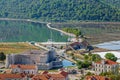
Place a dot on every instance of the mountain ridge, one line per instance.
(59, 10)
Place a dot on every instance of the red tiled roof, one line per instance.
(65, 74)
(12, 76)
(84, 43)
(40, 77)
(45, 72)
(96, 77)
(75, 43)
(109, 62)
(56, 76)
(23, 66)
(48, 76)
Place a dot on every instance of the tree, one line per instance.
(89, 74)
(84, 64)
(79, 64)
(92, 57)
(95, 57)
(111, 75)
(87, 64)
(110, 56)
(2, 56)
(74, 31)
(86, 57)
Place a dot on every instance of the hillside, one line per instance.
(114, 3)
(59, 10)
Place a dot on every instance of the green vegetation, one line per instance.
(114, 3)
(60, 10)
(2, 56)
(9, 48)
(111, 75)
(85, 64)
(74, 31)
(110, 56)
(92, 57)
(89, 74)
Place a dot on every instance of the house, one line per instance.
(51, 76)
(40, 77)
(105, 66)
(13, 77)
(28, 69)
(96, 77)
(80, 45)
(56, 77)
(65, 74)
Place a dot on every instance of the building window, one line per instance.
(102, 70)
(99, 70)
(96, 65)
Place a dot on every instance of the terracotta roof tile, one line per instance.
(65, 74)
(108, 62)
(57, 76)
(5, 76)
(48, 76)
(96, 77)
(40, 77)
(75, 43)
(45, 72)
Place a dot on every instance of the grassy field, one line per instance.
(8, 48)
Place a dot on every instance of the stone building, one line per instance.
(105, 66)
(44, 60)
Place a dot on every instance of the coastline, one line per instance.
(35, 21)
(49, 26)
(111, 45)
(27, 20)
(59, 30)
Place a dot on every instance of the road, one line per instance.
(38, 45)
(69, 34)
(54, 43)
(28, 20)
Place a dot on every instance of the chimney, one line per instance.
(103, 61)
